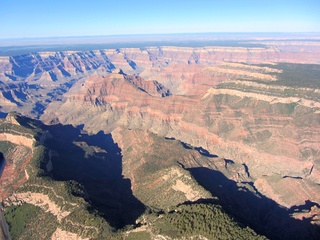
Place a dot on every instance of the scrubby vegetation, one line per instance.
(5, 147)
(294, 75)
(298, 75)
(27, 127)
(202, 219)
(30, 222)
(138, 236)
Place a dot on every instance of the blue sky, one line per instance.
(56, 18)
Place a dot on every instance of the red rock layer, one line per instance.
(273, 136)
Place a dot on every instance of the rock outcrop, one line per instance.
(18, 147)
(152, 168)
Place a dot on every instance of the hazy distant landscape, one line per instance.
(11, 47)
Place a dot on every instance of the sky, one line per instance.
(59, 18)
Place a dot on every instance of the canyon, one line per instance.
(162, 126)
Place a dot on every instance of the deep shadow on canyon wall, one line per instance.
(100, 172)
(264, 215)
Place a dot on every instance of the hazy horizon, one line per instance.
(200, 36)
(11, 47)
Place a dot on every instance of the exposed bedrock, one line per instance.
(275, 137)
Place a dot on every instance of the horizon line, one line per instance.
(151, 34)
